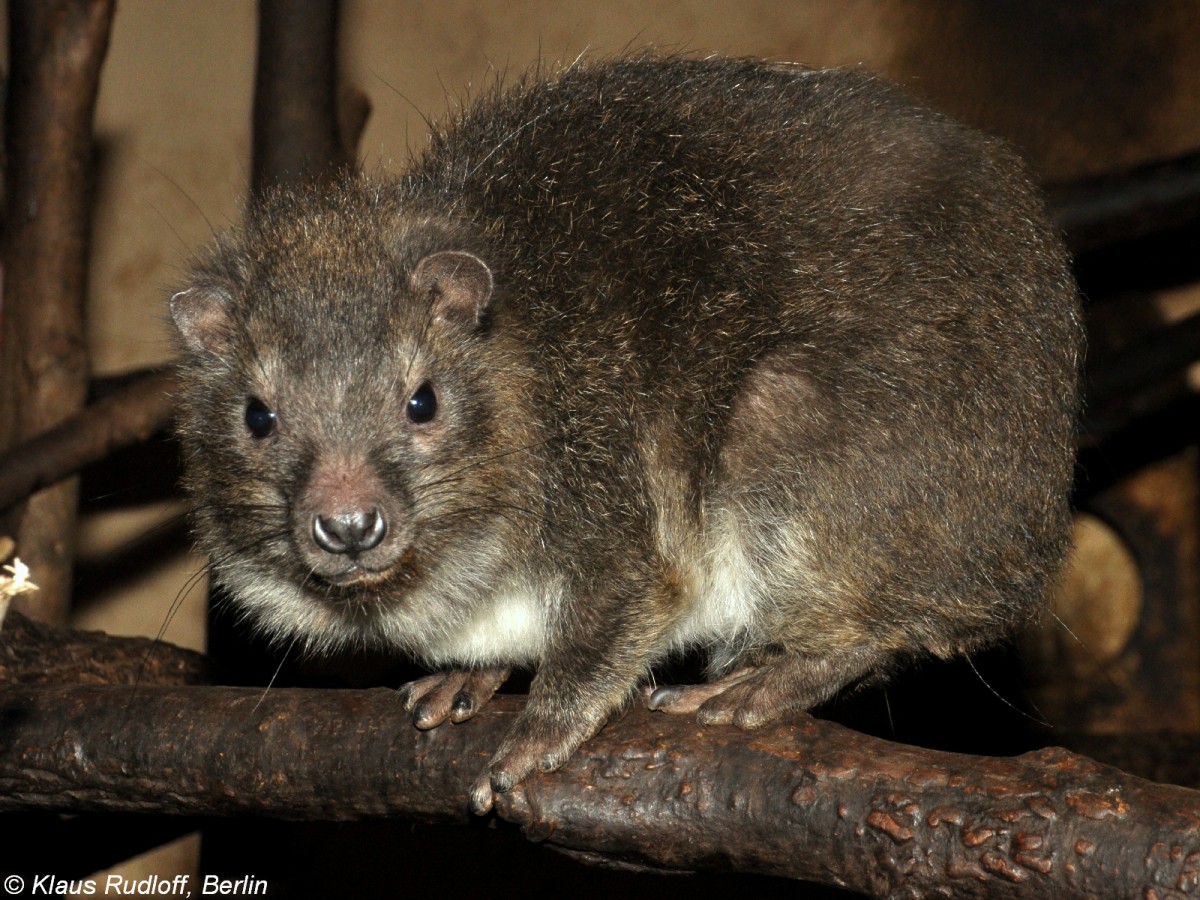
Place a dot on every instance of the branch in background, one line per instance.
(1162, 354)
(129, 415)
(1100, 213)
(298, 135)
(811, 801)
(56, 48)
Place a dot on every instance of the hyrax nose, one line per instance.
(351, 532)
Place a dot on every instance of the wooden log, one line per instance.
(809, 800)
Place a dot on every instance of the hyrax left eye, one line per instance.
(422, 405)
(260, 418)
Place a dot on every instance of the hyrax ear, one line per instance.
(461, 284)
(201, 316)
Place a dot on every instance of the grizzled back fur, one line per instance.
(664, 226)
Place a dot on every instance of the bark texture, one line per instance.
(811, 800)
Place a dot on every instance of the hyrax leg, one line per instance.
(786, 526)
(756, 695)
(587, 677)
(456, 694)
(542, 738)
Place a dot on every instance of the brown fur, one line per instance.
(766, 360)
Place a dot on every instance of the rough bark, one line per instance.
(56, 48)
(34, 653)
(811, 800)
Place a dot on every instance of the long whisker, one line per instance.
(271, 683)
(481, 461)
(490, 505)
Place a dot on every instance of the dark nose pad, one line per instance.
(351, 532)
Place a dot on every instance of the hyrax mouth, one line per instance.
(356, 581)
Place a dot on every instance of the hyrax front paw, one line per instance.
(534, 743)
(455, 695)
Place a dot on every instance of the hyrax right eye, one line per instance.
(260, 418)
(422, 405)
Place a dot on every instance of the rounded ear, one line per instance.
(460, 282)
(201, 317)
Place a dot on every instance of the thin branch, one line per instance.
(297, 131)
(128, 416)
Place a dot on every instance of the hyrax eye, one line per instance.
(260, 418)
(422, 405)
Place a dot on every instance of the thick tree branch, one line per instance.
(56, 48)
(812, 801)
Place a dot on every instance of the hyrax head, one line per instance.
(340, 412)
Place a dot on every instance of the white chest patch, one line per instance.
(507, 629)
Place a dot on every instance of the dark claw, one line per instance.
(463, 704)
(480, 799)
(663, 696)
(423, 716)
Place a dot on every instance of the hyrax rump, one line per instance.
(646, 355)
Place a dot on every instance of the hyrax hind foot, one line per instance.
(756, 695)
(456, 695)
